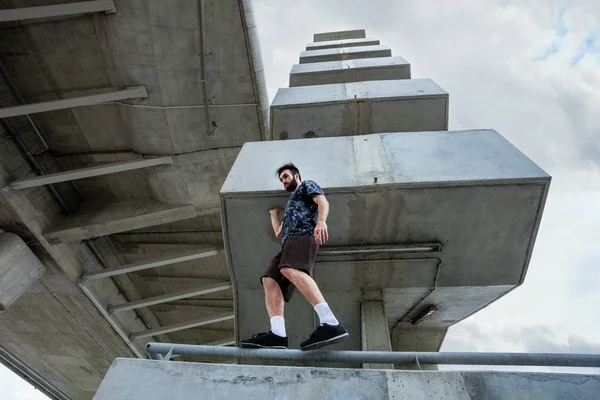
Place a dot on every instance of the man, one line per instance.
(302, 231)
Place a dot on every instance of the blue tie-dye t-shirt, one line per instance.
(301, 212)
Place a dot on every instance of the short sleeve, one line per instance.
(312, 188)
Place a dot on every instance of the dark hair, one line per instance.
(291, 167)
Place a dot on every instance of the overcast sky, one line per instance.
(529, 69)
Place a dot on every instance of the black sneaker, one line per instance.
(266, 340)
(325, 335)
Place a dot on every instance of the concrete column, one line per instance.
(374, 331)
(344, 53)
(332, 44)
(365, 69)
(359, 108)
(339, 35)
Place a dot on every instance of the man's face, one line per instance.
(289, 181)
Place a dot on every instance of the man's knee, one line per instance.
(268, 282)
(292, 274)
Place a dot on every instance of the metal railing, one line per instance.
(164, 351)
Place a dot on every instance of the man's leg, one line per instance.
(305, 284)
(331, 330)
(273, 297)
(276, 337)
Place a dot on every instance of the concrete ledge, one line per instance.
(332, 44)
(345, 109)
(339, 35)
(167, 380)
(101, 219)
(365, 69)
(344, 53)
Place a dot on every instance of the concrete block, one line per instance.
(365, 69)
(359, 108)
(344, 53)
(391, 189)
(101, 219)
(332, 44)
(162, 380)
(19, 268)
(339, 35)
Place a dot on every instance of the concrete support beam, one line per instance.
(359, 108)
(332, 44)
(137, 92)
(128, 268)
(132, 305)
(90, 172)
(365, 69)
(101, 219)
(19, 268)
(58, 10)
(374, 331)
(181, 326)
(339, 35)
(344, 53)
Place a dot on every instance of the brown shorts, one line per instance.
(299, 252)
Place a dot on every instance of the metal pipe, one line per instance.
(108, 318)
(381, 357)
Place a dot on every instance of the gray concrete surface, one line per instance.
(332, 44)
(19, 268)
(359, 108)
(339, 35)
(167, 380)
(366, 69)
(53, 328)
(344, 53)
(385, 189)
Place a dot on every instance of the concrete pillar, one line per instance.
(332, 44)
(344, 53)
(365, 69)
(359, 108)
(339, 35)
(374, 331)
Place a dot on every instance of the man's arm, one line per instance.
(275, 221)
(321, 234)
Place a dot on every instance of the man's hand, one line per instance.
(275, 210)
(321, 234)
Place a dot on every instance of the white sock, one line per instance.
(325, 314)
(278, 326)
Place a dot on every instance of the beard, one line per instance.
(292, 186)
